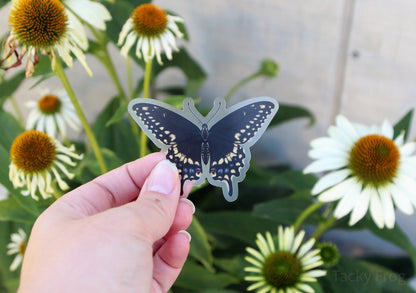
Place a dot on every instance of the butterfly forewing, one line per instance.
(230, 139)
(175, 134)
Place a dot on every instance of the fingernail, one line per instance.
(190, 203)
(187, 234)
(163, 177)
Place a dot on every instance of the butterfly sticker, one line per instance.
(215, 147)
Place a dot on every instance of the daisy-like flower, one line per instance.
(4, 193)
(50, 27)
(36, 159)
(51, 113)
(367, 170)
(18, 247)
(154, 29)
(283, 267)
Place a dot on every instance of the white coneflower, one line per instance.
(51, 113)
(49, 28)
(37, 159)
(283, 267)
(367, 170)
(155, 31)
(18, 247)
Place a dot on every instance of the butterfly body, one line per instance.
(213, 147)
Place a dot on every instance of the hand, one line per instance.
(122, 232)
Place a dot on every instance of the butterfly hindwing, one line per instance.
(230, 139)
(173, 133)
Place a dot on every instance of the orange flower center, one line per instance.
(38, 23)
(374, 159)
(49, 104)
(22, 247)
(149, 20)
(33, 151)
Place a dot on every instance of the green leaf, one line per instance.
(404, 125)
(295, 180)
(9, 86)
(289, 112)
(355, 276)
(195, 277)
(117, 137)
(90, 162)
(118, 115)
(193, 71)
(11, 210)
(395, 236)
(234, 266)
(200, 248)
(287, 210)
(9, 123)
(240, 225)
(3, 2)
(387, 280)
(350, 276)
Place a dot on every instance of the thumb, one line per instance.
(156, 205)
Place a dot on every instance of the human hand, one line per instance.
(122, 232)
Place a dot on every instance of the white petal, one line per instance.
(329, 180)
(323, 153)
(387, 129)
(50, 125)
(388, 208)
(361, 208)
(326, 164)
(376, 210)
(81, 58)
(348, 202)
(32, 118)
(327, 142)
(408, 149)
(408, 186)
(339, 135)
(124, 31)
(77, 30)
(400, 200)
(347, 127)
(131, 38)
(337, 191)
(92, 13)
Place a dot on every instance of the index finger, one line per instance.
(112, 189)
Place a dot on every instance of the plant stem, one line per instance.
(129, 78)
(93, 141)
(306, 213)
(323, 227)
(146, 95)
(240, 84)
(105, 59)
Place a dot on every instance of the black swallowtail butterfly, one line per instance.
(214, 147)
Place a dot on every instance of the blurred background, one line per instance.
(355, 57)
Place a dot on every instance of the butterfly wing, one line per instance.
(230, 139)
(172, 132)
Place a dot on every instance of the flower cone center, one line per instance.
(49, 104)
(149, 20)
(38, 23)
(374, 159)
(33, 151)
(22, 247)
(282, 270)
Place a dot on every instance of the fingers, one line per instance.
(169, 260)
(155, 208)
(115, 188)
(182, 220)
